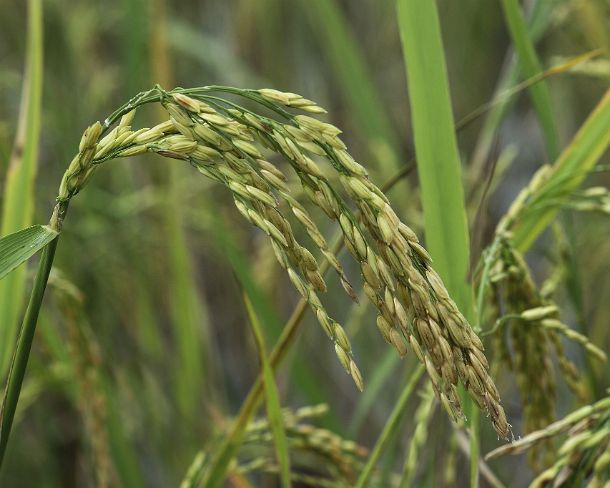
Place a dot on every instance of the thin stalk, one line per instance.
(486, 472)
(488, 261)
(575, 291)
(232, 441)
(26, 336)
(506, 95)
(390, 428)
(475, 416)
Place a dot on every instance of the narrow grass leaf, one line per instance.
(309, 385)
(226, 243)
(18, 204)
(538, 22)
(195, 471)
(436, 147)
(438, 163)
(272, 398)
(272, 327)
(17, 248)
(530, 65)
(568, 172)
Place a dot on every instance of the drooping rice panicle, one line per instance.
(535, 332)
(402, 256)
(255, 201)
(227, 143)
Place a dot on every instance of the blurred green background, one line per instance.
(143, 352)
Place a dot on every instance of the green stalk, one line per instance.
(389, 430)
(26, 336)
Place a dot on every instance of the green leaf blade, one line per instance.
(531, 66)
(272, 398)
(438, 160)
(18, 247)
(573, 165)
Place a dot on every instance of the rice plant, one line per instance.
(257, 289)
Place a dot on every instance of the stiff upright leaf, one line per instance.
(438, 160)
(17, 248)
(18, 199)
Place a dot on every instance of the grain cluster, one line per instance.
(528, 338)
(234, 146)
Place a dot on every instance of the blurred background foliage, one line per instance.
(144, 352)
